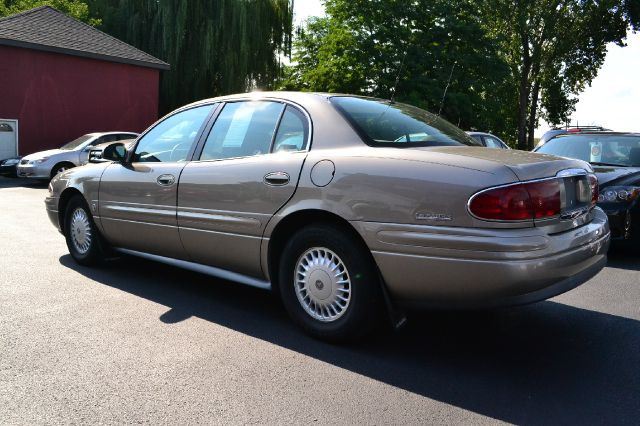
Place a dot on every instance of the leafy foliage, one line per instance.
(554, 49)
(427, 47)
(75, 8)
(214, 47)
(510, 61)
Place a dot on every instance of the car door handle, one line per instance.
(276, 178)
(166, 180)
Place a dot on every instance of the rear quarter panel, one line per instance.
(367, 187)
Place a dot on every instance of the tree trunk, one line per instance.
(533, 110)
(522, 107)
(524, 89)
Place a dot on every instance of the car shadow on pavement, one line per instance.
(6, 182)
(625, 255)
(543, 363)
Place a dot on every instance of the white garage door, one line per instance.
(8, 138)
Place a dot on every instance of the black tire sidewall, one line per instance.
(362, 313)
(54, 170)
(94, 255)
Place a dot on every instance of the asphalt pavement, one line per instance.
(140, 342)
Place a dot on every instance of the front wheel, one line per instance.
(81, 234)
(329, 284)
(59, 168)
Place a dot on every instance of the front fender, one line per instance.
(84, 180)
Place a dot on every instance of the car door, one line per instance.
(247, 168)
(137, 199)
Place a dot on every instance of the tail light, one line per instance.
(595, 189)
(518, 202)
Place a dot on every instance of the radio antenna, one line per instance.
(446, 88)
(395, 86)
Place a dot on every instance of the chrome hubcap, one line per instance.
(80, 230)
(322, 283)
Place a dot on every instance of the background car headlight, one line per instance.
(42, 160)
(10, 162)
(619, 194)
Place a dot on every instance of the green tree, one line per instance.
(412, 51)
(214, 47)
(554, 48)
(75, 8)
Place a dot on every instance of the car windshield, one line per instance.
(385, 123)
(614, 150)
(76, 142)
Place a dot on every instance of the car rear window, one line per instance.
(386, 123)
(615, 150)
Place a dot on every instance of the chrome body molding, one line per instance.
(223, 219)
(170, 211)
(203, 269)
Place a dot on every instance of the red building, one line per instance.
(61, 78)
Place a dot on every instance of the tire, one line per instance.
(59, 168)
(324, 249)
(83, 239)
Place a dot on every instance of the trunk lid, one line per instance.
(525, 165)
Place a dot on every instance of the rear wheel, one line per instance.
(83, 240)
(59, 168)
(329, 284)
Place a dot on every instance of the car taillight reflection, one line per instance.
(518, 202)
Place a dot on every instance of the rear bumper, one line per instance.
(439, 267)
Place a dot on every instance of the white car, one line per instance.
(47, 164)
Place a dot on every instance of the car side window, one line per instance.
(107, 138)
(492, 142)
(478, 138)
(293, 131)
(97, 141)
(242, 129)
(171, 139)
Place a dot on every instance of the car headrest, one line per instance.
(634, 156)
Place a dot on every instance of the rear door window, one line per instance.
(243, 129)
(293, 131)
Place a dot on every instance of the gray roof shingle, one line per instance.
(45, 28)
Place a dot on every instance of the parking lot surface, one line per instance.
(140, 342)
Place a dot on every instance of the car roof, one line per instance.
(295, 97)
(595, 133)
(115, 132)
(481, 133)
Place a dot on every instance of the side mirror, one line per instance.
(114, 152)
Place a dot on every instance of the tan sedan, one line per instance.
(349, 208)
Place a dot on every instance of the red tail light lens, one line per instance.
(545, 198)
(595, 189)
(507, 203)
(518, 202)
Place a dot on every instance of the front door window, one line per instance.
(171, 139)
